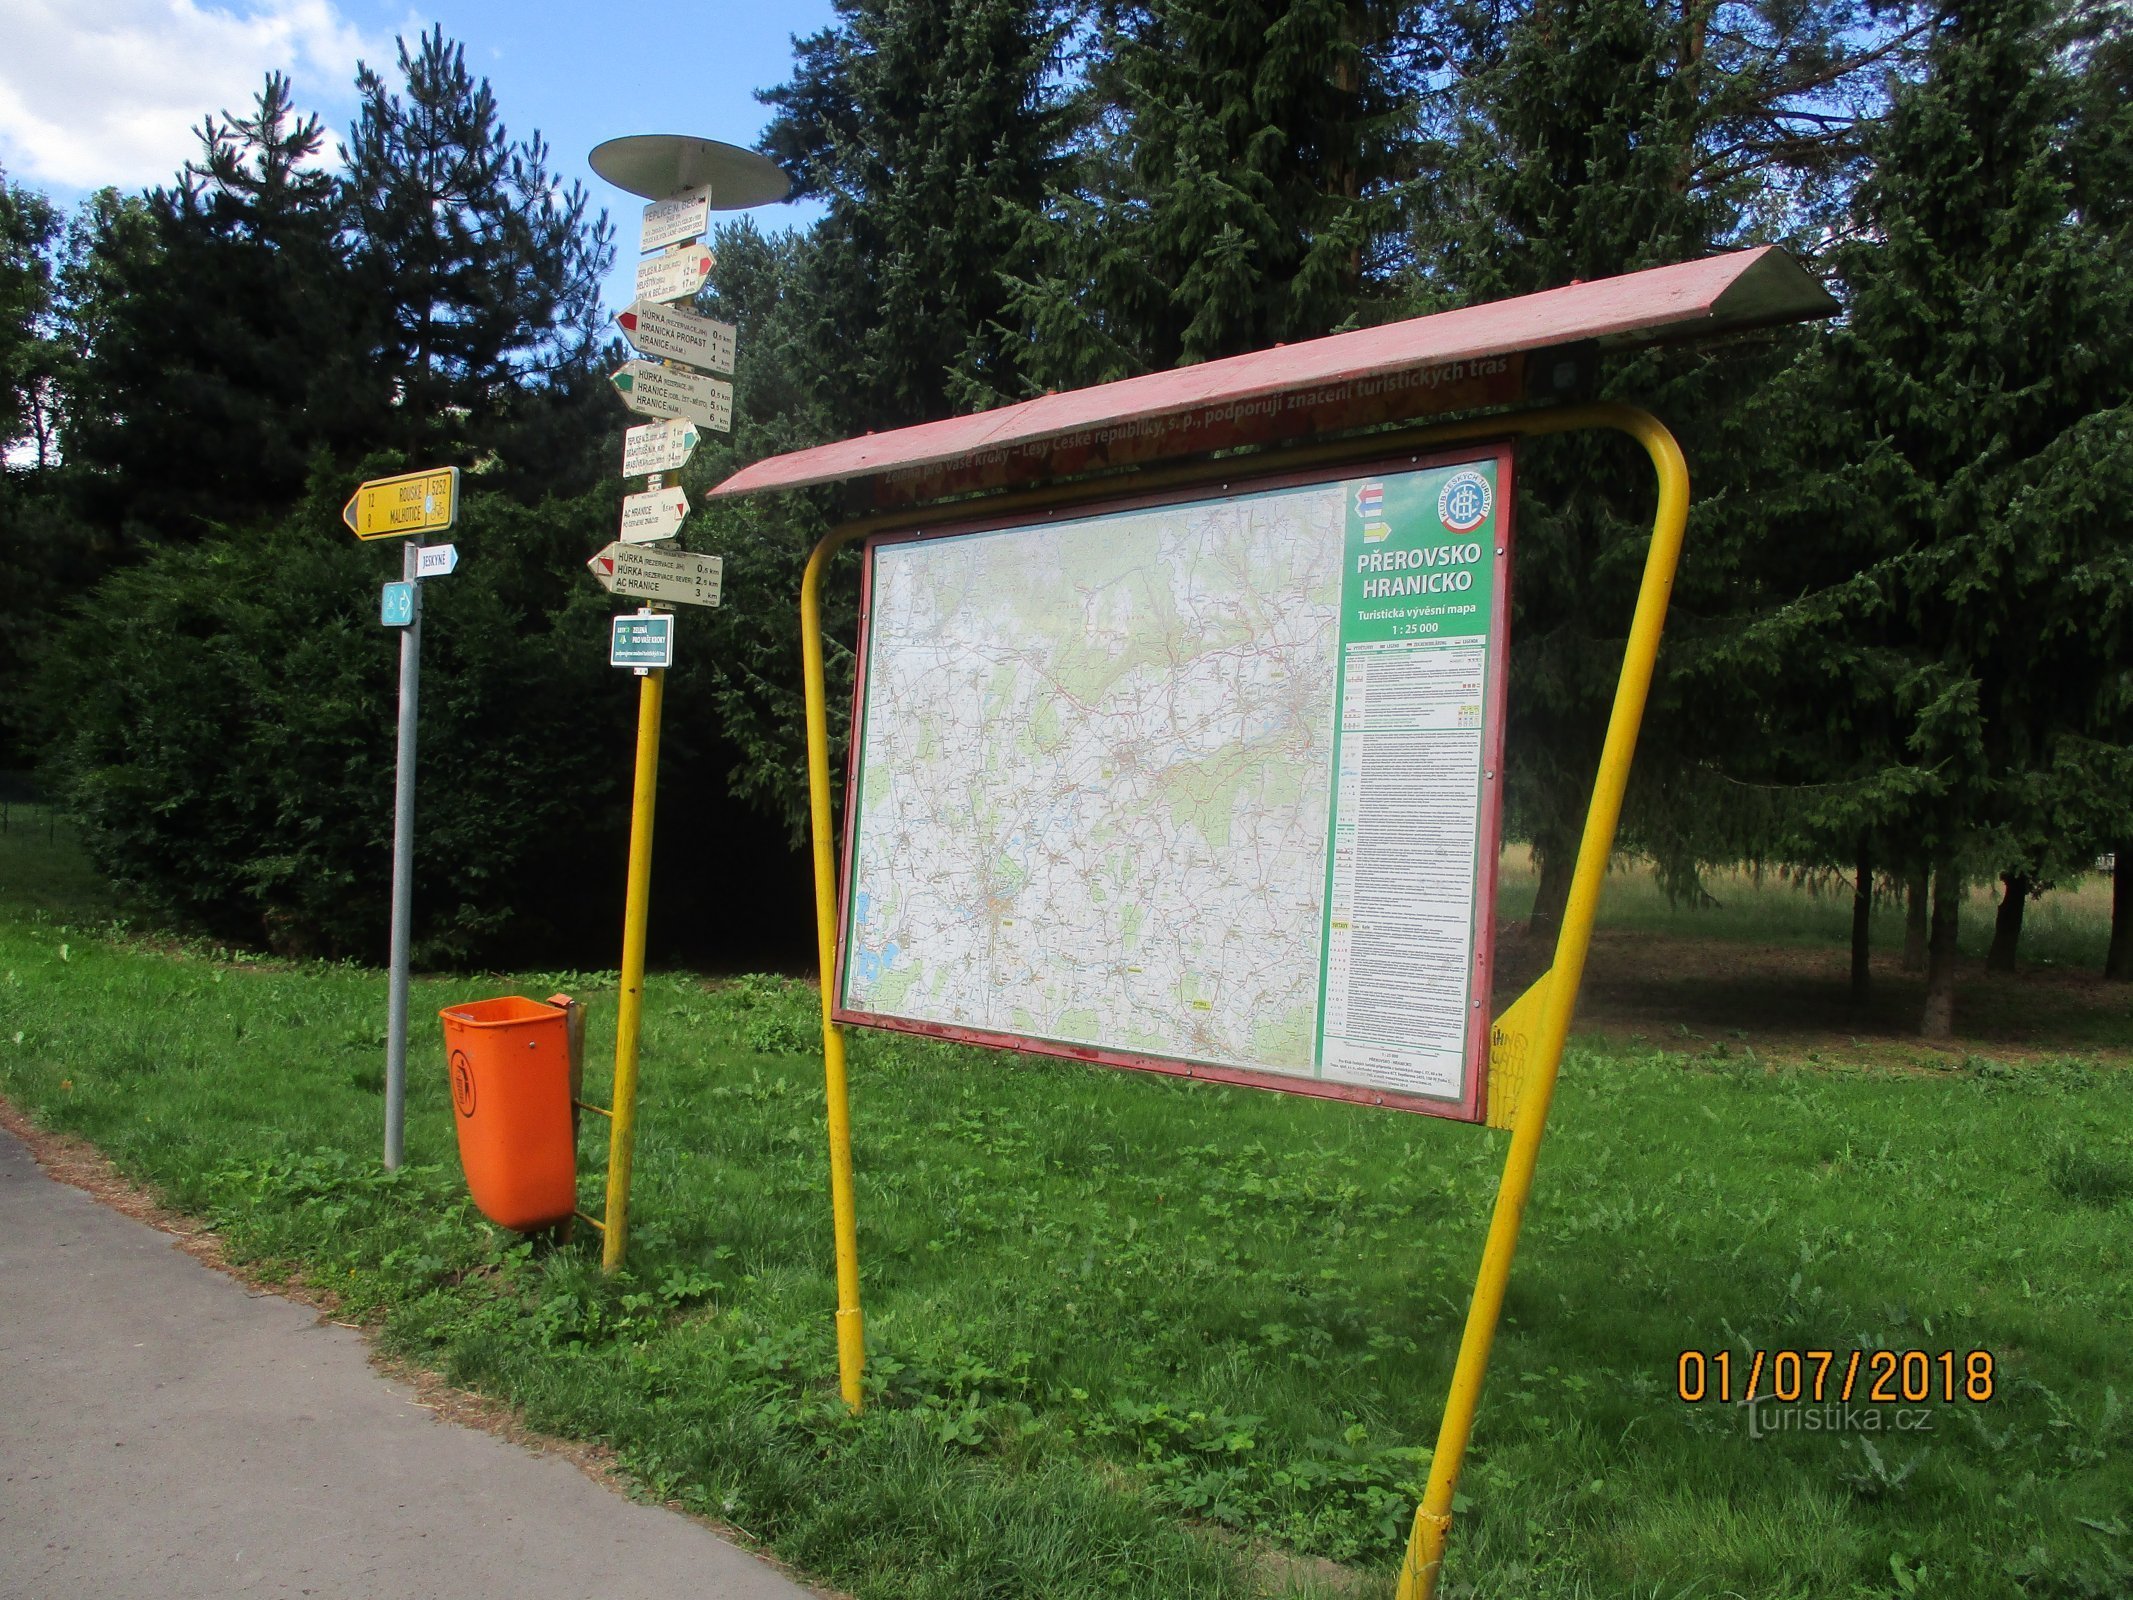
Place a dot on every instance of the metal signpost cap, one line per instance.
(657, 165)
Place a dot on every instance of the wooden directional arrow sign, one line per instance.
(660, 330)
(658, 447)
(674, 577)
(677, 217)
(654, 515)
(658, 391)
(675, 275)
(414, 502)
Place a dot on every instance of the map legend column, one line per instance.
(1410, 797)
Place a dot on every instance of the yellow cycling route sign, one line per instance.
(414, 502)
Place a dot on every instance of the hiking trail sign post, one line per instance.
(406, 506)
(664, 577)
(659, 330)
(685, 179)
(1322, 621)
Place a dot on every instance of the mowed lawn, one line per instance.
(1132, 1337)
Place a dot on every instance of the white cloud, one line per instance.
(110, 91)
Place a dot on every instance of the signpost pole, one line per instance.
(679, 175)
(622, 1136)
(404, 507)
(403, 871)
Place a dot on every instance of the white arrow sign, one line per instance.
(677, 217)
(660, 330)
(435, 560)
(654, 515)
(656, 391)
(674, 577)
(675, 275)
(658, 447)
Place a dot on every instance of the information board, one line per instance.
(1204, 786)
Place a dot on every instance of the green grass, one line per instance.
(1129, 1335)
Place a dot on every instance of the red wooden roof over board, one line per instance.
(1451, 361)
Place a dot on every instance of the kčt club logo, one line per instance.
(1464, 503)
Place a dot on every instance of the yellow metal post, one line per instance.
(851, 1326)
(622, 1125)
(1425, 1548)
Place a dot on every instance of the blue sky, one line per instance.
(106, 91)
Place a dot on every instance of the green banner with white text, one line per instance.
(1403, 1001)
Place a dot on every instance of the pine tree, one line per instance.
(29, 230)
(485, 271)
(220, 344)
(923, 127)
(34, 547)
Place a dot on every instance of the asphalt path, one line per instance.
(166, 1431)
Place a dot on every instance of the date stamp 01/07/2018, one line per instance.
(1822, 1377)
(1837, 1391)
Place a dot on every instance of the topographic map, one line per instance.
(1096, 762)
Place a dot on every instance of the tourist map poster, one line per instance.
(1209, 786)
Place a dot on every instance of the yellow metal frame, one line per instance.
(1531, 1033)
(1526, 1041)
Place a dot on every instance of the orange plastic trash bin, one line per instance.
(510, 1067)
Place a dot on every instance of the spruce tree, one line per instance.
(1805, 694)
(1987, 357)
(925, 128)
(1580, 139)
(1234, 185)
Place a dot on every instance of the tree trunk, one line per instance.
(2007, 926)
(1938, 1020)
(2119, 963)
(1914, 922)
(1557, 859)
(1862, 926)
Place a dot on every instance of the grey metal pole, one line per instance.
(403, 872)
